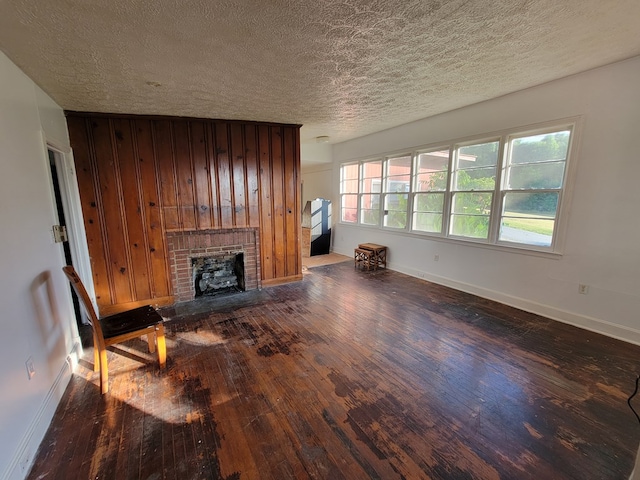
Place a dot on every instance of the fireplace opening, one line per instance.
(218, 274)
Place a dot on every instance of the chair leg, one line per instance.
(151, 340)
(96, 356)
(104, 372)
(162, 346)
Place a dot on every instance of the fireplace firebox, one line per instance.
(237, 247)
(218, 274)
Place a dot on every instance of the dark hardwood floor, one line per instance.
(352, 375)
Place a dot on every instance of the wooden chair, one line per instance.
(118, 328)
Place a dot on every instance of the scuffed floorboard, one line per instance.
(352, 375)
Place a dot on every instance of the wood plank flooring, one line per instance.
(351, 374)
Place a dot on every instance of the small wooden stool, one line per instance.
(377, 254)
(363, 257)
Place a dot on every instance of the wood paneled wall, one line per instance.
(141, 177)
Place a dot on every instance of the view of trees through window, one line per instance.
(534, 178)
(397, 179)
(430, 183)
(469, 190)
(473, 188)
(370, 193)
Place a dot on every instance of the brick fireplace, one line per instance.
(183, 247)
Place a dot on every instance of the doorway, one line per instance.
(55, 159)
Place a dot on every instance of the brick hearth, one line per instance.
(183, 246)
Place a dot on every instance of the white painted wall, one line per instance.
(317, 182)
(602, 247)
(317, 171)
(37, 316)
(312, 153)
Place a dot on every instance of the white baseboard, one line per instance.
(596, 325)
(25, 453)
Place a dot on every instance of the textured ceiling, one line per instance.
(342, 68)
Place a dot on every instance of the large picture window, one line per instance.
(505, 190)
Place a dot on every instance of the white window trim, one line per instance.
(574, 124)
(361, 193)
(385, 192)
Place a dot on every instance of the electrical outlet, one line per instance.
(436, 258)
(583, 289)
(31, 369)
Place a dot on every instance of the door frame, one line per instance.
(72, 207)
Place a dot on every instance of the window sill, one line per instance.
(501, 247)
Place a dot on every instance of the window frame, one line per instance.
(496, 212)
(362, 193)
(444, 192)
(454, 170)
(344, 194)
(386, 176)
(567, 182)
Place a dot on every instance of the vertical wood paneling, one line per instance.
(225, 186)
(111, 192)
(90, 199)
(130, 203)
(278, 203)
(291, 202)
(266, 205)
(213, 176)
(155, 236)
(184, 172)
(141, 177)
(252, 175)
(166, 170)
(202, 181)
(238, 174)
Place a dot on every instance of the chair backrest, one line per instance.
(85, 300)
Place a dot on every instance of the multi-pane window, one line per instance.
(533, 180)
(430, 179)
(397, 182)
(370, 189)
(474, 183)
(349, 193)
(503, 190)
